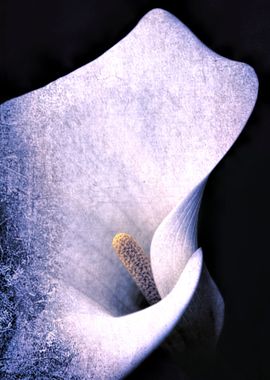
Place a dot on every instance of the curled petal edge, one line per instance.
(173, 244)
(137, 334)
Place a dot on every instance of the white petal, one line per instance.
(174, 241)
(112, 147)
(116, 345)
(173, 244)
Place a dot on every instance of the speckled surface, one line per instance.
(114, 146)
(138, 265)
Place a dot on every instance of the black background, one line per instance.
(42, 40)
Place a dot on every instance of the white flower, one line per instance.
(122, 144)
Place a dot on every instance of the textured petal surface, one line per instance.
(114, 146)
(116, 345)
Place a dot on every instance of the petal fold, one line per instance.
(114, 146)
(136, 334)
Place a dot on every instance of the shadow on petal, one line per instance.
(112, 147)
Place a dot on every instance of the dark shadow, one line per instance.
(39, 43)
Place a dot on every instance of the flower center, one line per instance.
(137, 264)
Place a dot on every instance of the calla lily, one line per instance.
(125, 143)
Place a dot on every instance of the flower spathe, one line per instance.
(123, 144)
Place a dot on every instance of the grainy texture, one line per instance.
(115, 146)
(137, 264)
